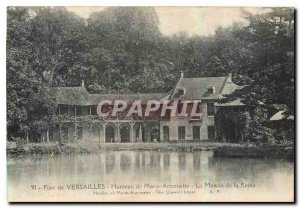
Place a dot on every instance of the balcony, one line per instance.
(71, 118)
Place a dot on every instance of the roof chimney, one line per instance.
(82, 83)
(181, 74)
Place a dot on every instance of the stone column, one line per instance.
(161, 133)
(118, 137)
(131, 132)
(90, 131)
(104, 131)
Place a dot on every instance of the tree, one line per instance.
(269, 70)
(28, 100)
(126, 51)
(270, 37)
(59, 42)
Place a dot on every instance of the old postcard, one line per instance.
(150, 104)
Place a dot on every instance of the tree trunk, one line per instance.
(54, 64)
(27, 137)
(47, 136)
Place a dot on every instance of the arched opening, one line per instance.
(109, 134)
(95, 134)
(166, 133)
(211, 132)
(125, 133)
(154, 133)
(181, 132)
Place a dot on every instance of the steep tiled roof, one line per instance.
(80, 96)
(196, 88)
(72, 96)
(236, 102)
(229, 87)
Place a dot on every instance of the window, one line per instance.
(63, 109)
(181, 91)
(94, 110)
(210, 109)
(211, 132)
(211, 89)
(196, 133)
(181, 132)
(82, 110)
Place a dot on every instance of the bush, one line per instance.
(20, 143)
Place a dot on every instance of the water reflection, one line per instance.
(181, 161)
(125, 163)
(137, 162)
(146, 166)
(166, 161)
(196, 161)
(110, 161)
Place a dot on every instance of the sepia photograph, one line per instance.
(150, 104)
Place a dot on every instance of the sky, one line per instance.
(192, 20)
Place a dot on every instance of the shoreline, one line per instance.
(262, 152)
(226, 150)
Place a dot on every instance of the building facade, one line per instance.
(207, 91)
(77, 120)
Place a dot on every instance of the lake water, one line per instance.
(148, 176)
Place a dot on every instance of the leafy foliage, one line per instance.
(29, 101)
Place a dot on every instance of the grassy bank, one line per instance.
(270, 151)
(78, 148)
(220, 149)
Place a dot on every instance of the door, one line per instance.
(196, 133)
(181, 133)
(166, 133)
(211, 132)
(79, 133)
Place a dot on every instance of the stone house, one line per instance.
(206, 91)
(76, 118)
